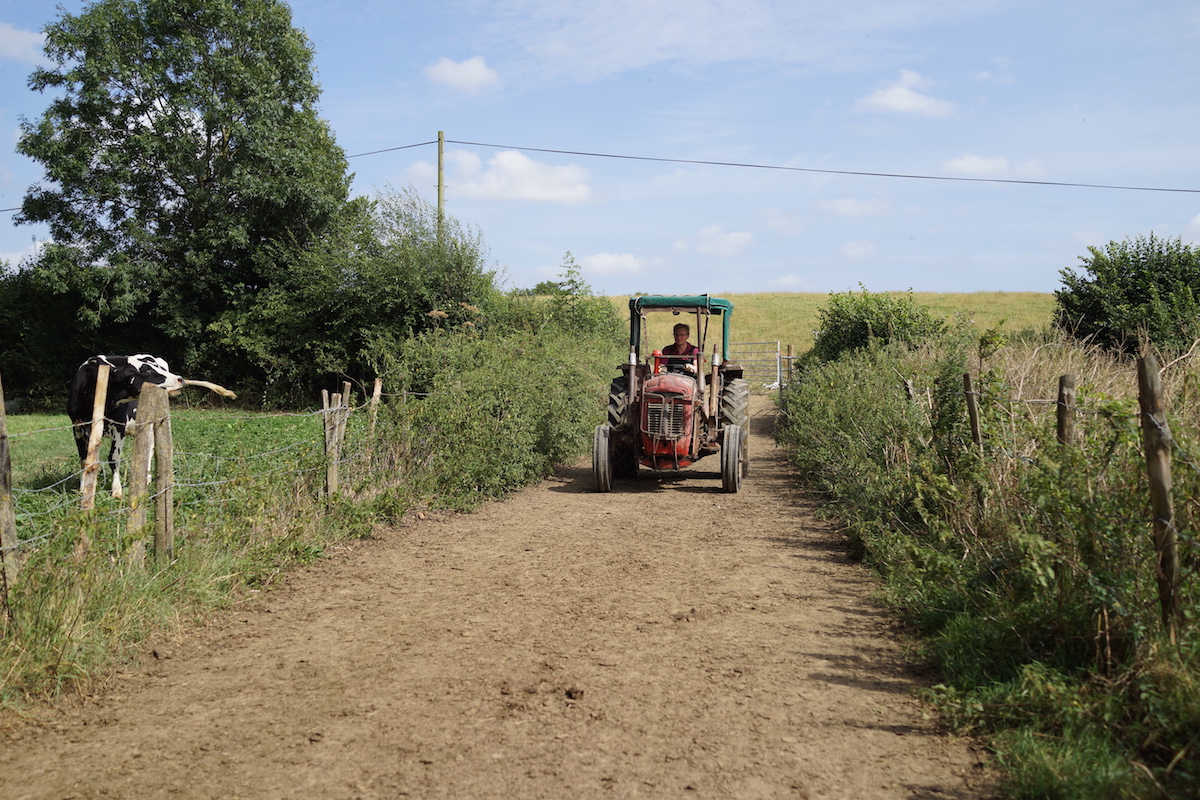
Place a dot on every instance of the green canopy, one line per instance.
(681, 304)
(714, 305)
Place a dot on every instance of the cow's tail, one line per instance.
(221, 390)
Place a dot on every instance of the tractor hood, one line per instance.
(672, 383)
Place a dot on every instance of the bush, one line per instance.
(1142, 287)
(853, 321)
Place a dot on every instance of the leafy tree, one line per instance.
(182, 139)
(854, 321)
(343, 306)
(1145, 286)
(41, 343)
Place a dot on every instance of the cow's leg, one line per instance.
(114, 461)
(82, 434)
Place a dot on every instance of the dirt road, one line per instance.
(559, 645)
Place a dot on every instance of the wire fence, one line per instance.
(219, 455)
(1005, 426)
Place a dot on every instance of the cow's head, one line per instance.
(153, 369)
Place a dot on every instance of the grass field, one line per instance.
(791, 318)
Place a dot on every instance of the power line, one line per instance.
(746, 165)
(392, 149)
(830, 171)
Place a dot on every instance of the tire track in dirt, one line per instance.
(665, 640)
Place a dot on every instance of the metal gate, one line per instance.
(762, 362)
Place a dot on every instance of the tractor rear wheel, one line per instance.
(618, 401)
(731, 459)
(602, 466)
(735, 410)
(623, 455)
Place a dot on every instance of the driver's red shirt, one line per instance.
(673, 349)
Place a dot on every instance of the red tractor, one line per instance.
(668, 411)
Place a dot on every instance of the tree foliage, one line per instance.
(1141, 287)
(384, 271)
(853, 321)
(181, 140)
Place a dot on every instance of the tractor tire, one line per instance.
(602, 466)
(735, 410)
(731, 459)
(623, 456)
(624, 460)
(618, 401)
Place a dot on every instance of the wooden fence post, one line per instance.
(1156, 440)
(8, 520)
(1066, 410)
(164, 487)
(973, 411)
(331, 420)
(152, 409)
(976, 433)
(344, 414)
(91, 462)
(375, 395)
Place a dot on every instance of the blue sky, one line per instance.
(1096, 92)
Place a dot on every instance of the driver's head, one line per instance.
(682, 331)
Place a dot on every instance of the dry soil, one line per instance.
(663, 641)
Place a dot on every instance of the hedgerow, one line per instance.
(1028, 567)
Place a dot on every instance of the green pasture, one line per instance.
(43, 448)
(790, 318)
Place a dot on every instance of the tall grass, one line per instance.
(1028, 566)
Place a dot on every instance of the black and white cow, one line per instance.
(125, 380)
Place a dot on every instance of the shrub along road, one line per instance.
(666, 640)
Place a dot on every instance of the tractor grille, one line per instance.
(664, 418)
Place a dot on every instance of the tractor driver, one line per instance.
(681, 354)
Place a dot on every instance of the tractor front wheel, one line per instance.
(731, 459)
(602, 466)
(735, 410)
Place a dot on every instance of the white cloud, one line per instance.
(791, 283)
(19, 45)
(1195, 223)
(608, 264)
(849, 207)
(716, 241)
(604, 37)
(1001, 71)
(901, 97)
(510, 175)
(970, 165)
(14, 259)
(779, 220)
(1031, 169)
(470, 76)
(857, 251)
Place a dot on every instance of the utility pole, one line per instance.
(441, 209)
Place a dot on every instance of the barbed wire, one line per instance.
(68, 500)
